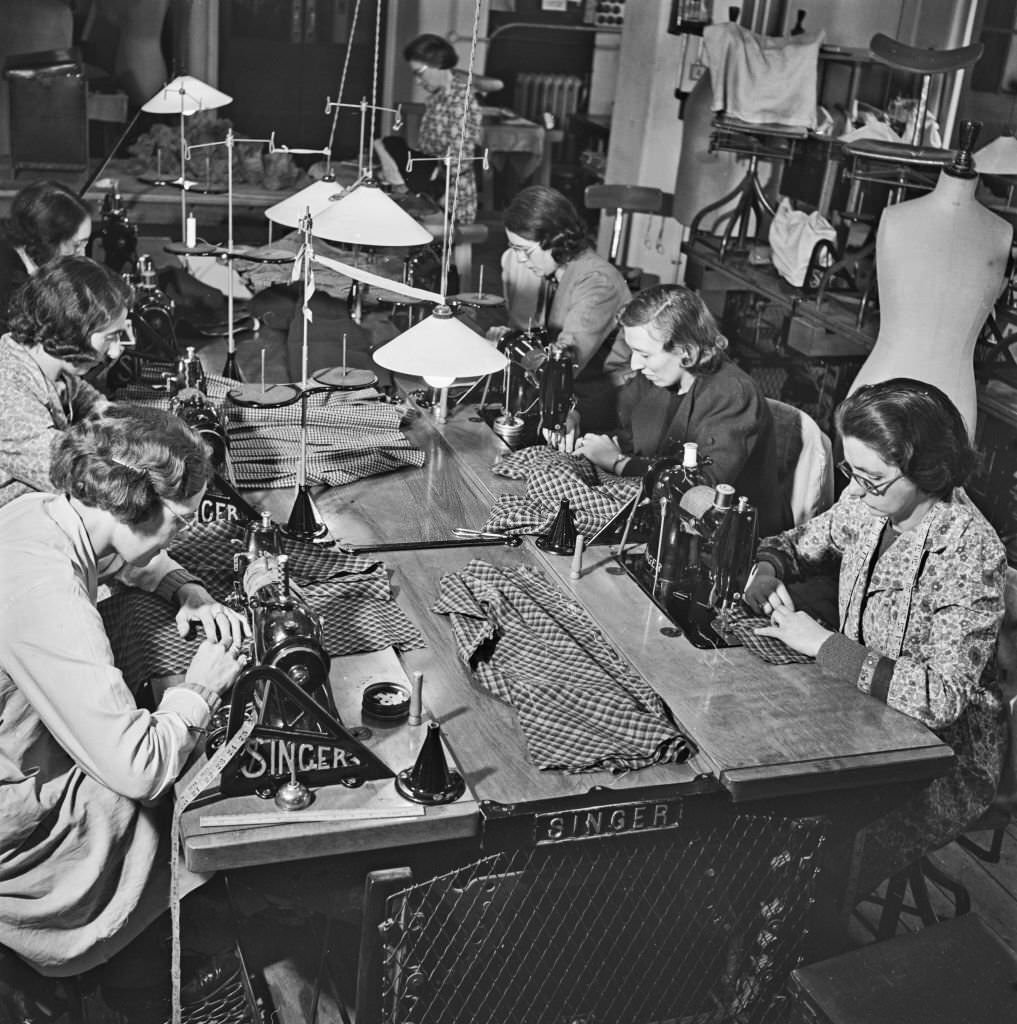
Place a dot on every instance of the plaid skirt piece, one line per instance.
(740, 625)
(351, 594)
(346, 439)
(595, 497)
(580, 705)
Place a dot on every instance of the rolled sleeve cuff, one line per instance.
(842, 657)
(173, 581)
(194, 704)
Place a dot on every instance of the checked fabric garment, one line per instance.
(581, 706)
(346, 439)
(740, 625)
(595, 497)
(351, 594)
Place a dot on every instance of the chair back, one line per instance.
(623, 201)
(804, 461)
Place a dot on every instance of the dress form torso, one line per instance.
(941, 261)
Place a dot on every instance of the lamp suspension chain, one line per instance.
(374, 82)
(342, 85)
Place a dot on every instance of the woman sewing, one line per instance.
(921, 599)
(84, 847)
(687, 389)
(581, 293)
(443, 131)
(66, 320)
(47, 221)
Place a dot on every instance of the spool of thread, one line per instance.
(577, 558)
(191, 238)
(415, 698)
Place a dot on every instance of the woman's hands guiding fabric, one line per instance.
(221, 624)
(799, 630)
(599, 449)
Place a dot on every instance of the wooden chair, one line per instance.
(999, 815)
(623, 201)
(804, 461)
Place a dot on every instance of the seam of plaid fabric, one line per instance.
(742, 624)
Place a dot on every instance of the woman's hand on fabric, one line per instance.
(763, 584)
(215, 666)
(799, 630)
(221, 624)
(599, 449)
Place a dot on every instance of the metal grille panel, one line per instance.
(703, 924)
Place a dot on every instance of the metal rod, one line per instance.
(512, 540)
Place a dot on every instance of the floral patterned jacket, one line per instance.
(439, 134)
(927, 612)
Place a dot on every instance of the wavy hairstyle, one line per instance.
(129, 461)
(65, 303)
(547, 217)
(682, 322)
(915, 427)
(432, 50)
(43, 215)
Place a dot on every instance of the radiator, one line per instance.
(537, 93)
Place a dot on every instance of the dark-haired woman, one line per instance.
(66, 320)
(687, 389)
(921, 599)
(47, 221)
(548, 245)
(83, 848)
(443, 130)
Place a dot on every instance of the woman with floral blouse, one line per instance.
(921, 586)
(443, 130)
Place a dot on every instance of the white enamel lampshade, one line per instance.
(315, 198)
(440, 348)
(186, 95)
(365, 215)
(998, 157)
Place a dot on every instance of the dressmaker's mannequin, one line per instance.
(941, 261)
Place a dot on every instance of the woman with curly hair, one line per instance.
(66, 320)
(47, 221)
(549, 249)
(687, 389)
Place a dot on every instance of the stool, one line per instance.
(770, 142)
(958, 971)
(624, 200)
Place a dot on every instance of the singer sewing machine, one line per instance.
(298, 740)
(692, 549)
(539, 387)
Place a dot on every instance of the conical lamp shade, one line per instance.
(316, 197)
(998, 157)
(186, 95)
(366, 216)
(440, 346)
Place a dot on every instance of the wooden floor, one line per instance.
(993, 889)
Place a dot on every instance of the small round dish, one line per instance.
(387, 702)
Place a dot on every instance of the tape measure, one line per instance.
(205, 777)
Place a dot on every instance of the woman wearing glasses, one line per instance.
(47, 221)
(84, 772)
(550, 253)
(67, 319)
(443, 130)
(921, 588)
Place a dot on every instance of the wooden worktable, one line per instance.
(763, 732)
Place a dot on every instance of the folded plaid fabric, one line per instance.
(351, 594)
(740, 625)
(346, 440)
(581, 706)
(595, 497)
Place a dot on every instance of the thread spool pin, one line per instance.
(416, 696)
(576, 571)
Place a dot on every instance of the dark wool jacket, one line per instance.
(726, 414)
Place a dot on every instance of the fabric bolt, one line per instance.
(351, 594)
(595, 497)
(580, 705)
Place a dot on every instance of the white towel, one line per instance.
(763, 79)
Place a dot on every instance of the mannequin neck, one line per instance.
(954, 189)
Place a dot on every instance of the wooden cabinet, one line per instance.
(280, 61)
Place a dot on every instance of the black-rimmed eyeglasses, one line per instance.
(876, 490)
